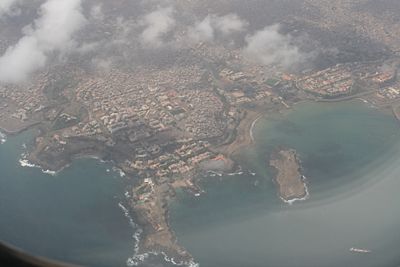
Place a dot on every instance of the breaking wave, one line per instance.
(3, 138)
(239, 172)
(291, 201)
(119, 171)
(24, 162)
(137, 257)
(252, 128)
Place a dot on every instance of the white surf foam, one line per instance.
(252, 128)
(371, 105)
(53, 173)
(214, 173)
(291, 201)
(239, 171)
(120, 172)
(3, 138)
(235, 173)
(139, 258)
(24, 162)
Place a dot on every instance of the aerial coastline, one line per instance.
(291, 182)
(190, 109)
(243, 134)
(149, 200)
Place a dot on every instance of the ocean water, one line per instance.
(77, 216)
(73, 216)
(350, 154)
(3, 138)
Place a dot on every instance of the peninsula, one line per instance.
(164, 114)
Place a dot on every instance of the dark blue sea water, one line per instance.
(351, 157)
(350, 154)
(73, 216)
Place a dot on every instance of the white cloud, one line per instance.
(207, 29)
(203, 31)
(51, 32)
(96, 12)
(270, 47)
(229, 24)
(6, 6)
(157, 24)
(20, 60)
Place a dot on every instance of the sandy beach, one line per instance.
(243, 134)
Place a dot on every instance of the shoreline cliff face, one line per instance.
(148, 200)
(149, 197)
(150, 203)
(288, 177)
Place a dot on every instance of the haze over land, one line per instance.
(171, 91)
(133, 33)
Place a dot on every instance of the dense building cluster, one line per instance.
(159, 100)
(183, 159)
(20, 103)
(390, 92)
(330, 82)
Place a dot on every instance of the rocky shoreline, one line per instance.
(151, 212)
(289, 179)
(150, 208)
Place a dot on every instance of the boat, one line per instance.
(359, 250)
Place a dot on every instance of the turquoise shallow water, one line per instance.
(351, 157)
(73, 216)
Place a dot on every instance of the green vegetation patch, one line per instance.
(272, 82)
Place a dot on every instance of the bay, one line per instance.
(73, 216)
(350, 154)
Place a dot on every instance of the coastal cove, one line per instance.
(72, 216)
(349, 152)
(77, 215)
(208, 133)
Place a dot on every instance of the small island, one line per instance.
(289, 178)
(168, 115)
